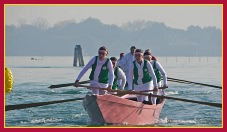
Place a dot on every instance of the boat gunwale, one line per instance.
(132, 103)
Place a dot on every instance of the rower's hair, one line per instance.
(147, 50)
(139, 50)
(133, 47)
(147, 53)
(113, 59)
(103, 48)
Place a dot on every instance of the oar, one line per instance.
(153, 90)
(190, 82)
(219, 105)
(23, 106)
(66, 85)
(171, 80)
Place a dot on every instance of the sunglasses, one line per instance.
(146, 57)
(102, 53)
(138, 55)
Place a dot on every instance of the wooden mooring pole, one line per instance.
(78, 56)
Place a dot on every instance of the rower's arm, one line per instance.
(89, 64)
(161, 69)
(122, 77)
(111, 73)
(151, 70)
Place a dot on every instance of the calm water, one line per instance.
(32, 77)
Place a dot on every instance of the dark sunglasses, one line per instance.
(146, 57)
(102, 53)
(138, 55)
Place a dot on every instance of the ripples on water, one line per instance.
(166, 120)
(33, 77)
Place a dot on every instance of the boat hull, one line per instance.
(109, 109)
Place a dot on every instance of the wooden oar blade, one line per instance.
(190, 82)
(24, 106)
(218, 105)
(61, 85)
(66, 85)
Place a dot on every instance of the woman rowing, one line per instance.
(102, 73)
(119, 76)
(159, 70)
(144, 77)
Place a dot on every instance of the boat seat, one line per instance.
(158, 101)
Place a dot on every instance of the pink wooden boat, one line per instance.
(114, 110)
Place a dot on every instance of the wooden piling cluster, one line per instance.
(78, 56)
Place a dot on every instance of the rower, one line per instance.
(127, 60)
(119, 60)
(102, 73)
(159, 70)
(153, 57)
(119, 76)
(144, 77)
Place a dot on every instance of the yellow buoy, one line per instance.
(8, 80)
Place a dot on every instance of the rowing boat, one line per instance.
(113, 110)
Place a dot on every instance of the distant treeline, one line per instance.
(59, 40)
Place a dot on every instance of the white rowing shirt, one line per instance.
(162, 71)
(98, 69)
(121, 79)
(126, 61)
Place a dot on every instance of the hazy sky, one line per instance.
(173, 16)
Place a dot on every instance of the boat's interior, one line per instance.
(134, 98)
(158, 101)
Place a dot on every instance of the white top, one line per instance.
(126, 61)
(98, 69)
(119, 62)
(162, 71)
(121, 79)
(140, 74)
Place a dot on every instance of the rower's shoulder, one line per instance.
(119, 69)
(107, 60)
(157, 62)
(120, 72)
(95, 57)
(128, 54)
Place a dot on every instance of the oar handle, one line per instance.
(120, 91)
(219, 105)
(112, 90)
(154, 90)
